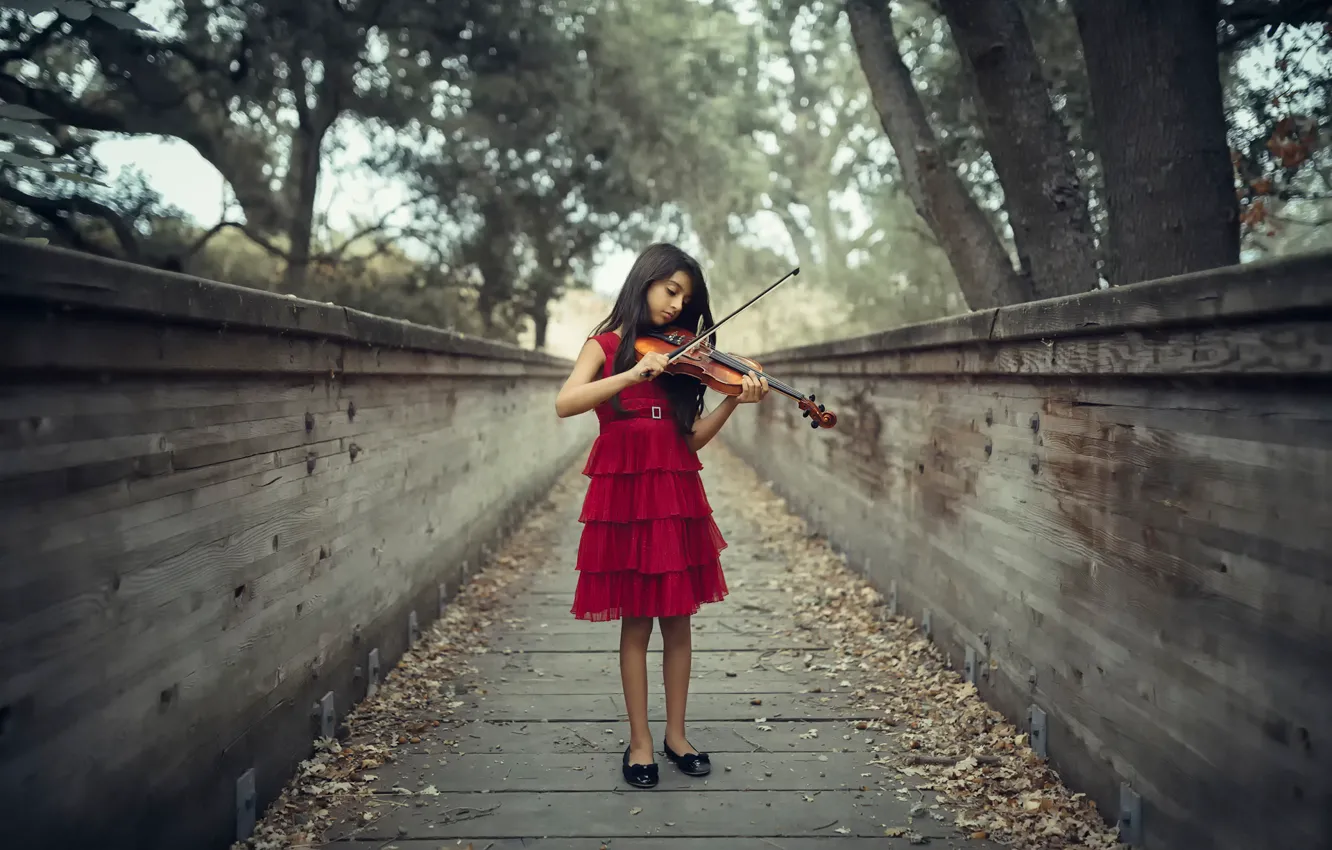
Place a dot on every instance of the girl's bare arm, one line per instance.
(706, 427)
(582, 390)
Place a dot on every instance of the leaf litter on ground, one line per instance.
(337, 783)
(977, 762)
(934, 727)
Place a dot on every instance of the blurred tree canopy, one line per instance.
(917, 158)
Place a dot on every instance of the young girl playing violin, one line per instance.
(649, 547)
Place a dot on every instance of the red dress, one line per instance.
(649, 546)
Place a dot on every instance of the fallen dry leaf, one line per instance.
(988, 771)
(882, 663)
(406, 708)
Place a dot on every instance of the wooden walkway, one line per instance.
(529, 754)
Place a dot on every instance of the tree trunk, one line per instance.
(306, 148)
(982, 266)
(540, 322)
(1045, 201)
(1156, 97)
(312, 125)
(152, 100)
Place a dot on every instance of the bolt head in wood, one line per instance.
(246, 809)
(1130, 815)
(1037, 728)
(327, 716)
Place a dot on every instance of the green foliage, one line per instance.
(21, 125)
(1279, 101)
(532, 136)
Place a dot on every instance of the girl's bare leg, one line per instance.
(677, 651)
(634, 635)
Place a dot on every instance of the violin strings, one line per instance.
(726, 360)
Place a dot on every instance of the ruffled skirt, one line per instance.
(649, 546)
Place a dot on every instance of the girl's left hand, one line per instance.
(753, 388)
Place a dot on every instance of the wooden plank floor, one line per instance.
(529, 754)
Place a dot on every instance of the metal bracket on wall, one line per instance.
(372, 678)
(926, 625)
(245, 805)
(327, 718)
(413, 629)
(892, 597)
(1130, 815)
(969, 666)
(1036, 718)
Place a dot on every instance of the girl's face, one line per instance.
(666, 298)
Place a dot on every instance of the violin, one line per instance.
(722, 372)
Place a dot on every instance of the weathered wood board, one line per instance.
(1122, 502)
(214, 502)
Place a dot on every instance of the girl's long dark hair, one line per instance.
(630, 314)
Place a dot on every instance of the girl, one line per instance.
(649, 546)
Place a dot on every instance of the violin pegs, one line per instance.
(820, 408)
(813, 424)
(811, 396)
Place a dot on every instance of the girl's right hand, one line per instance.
(653, 363)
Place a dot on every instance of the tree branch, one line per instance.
(32, 45)
(57, 211)
(1028, 145)
(1247, 18)
(381, 225)
(204, 123)
(58, 106)
(983, 269)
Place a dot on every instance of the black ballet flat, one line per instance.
(693, 764)
(639, 775)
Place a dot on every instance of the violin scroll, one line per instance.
(819, 417)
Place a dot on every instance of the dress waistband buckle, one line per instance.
(656, 412)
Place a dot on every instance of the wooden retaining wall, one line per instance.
(1121, 504)
(214, 503)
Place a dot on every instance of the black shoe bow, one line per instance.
(694, 764)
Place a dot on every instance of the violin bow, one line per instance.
(684, 349)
